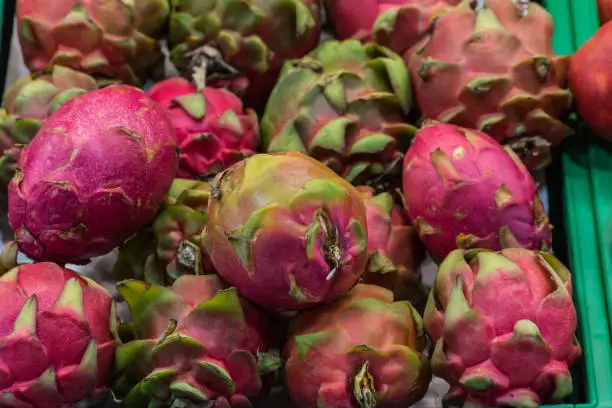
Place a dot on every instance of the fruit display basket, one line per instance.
(576, 196)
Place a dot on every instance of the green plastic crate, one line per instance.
(579, 229)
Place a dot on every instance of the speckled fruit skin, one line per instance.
(286, 231)
(58, 336)
(95, 174)
(590, 81)
(462, 189)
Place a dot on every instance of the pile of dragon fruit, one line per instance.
(270, 205)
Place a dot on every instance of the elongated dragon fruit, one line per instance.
(394, 249)
(242, 45)
(58, 335)
(28, 103)
(494, 70)
(95, 173)
(115, 40)
(286, 231)
(504, 328)
(212, 129)
(197, 344)
(345, 104)
(363, 351)
(171, 247)
(397, 24)
(464, 190)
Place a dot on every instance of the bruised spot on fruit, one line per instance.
(459, 153)
(142, 111)
(502, 196)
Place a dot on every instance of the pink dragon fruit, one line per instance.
(58, 335)
(363, 351)
(212, 129)
(394, 249)
(504, 328)
(196, 344)
(95, 174)
(397, 24)
(462, 189)
(286, 231)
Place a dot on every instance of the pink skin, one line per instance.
(95, 174)
(411, 25)
(482, 341)
(367, 317)
(463, 201)
(226, 336)
(223, 146)
(277, 252)
(61, 336)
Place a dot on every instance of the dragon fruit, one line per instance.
(590, 81)
(95, 173)
(242, 45)
(363, 351)
(286, 231)
(171, 247)
(197, 344)
(495, 70)
(112, 40)
(28, 103)
(397, 24)
(504, 328)
(345, 104)
(212, 129)
(394, 249)
(464, 190)
(58, 337)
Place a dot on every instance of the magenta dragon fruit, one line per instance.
(95, 173)
(464, 190)
(212, 128)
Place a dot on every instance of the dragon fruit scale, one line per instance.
(494, 69)
(345, 104)
(363, 351)
(212, 129)
(286, 231)
(397, 24)
(58, 336)
(197, 345)
(112, 40)
(95, 173)
(504, 327)
(28, 103)
(462, 189)
(171, 247)
(394, 249)
(242, 45)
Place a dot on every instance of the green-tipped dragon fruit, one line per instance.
(286, 231)
(171, 247)
(197, 345)
(242, 44)
(504, 326)
(58, 335)
(345, 104)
